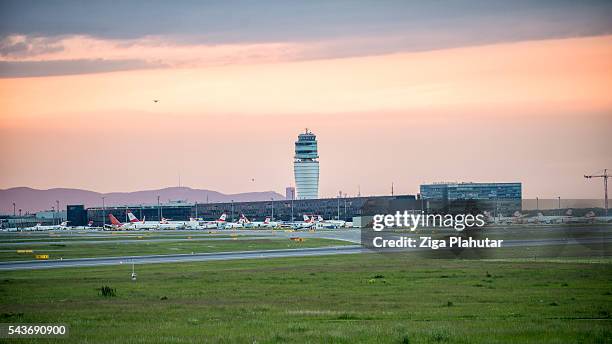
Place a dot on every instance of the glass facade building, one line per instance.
(344, 208)
(306, 166)
(76, 215)
(174, 211)
(495, 197)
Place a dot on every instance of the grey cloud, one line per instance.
(30, 46)
(10, 69)
(278, 20)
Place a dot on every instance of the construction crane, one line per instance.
(605, 177)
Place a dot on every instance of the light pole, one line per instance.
(53, 211)
(272, 203)
(58, 210)
(291, 209)
(338, 218)
(537, 204)
(13, 208)
(559, 206)
(158, 208)
(232, 210)
(103, 214)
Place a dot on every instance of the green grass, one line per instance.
(114, 249)
(376, 298)
(522, 232)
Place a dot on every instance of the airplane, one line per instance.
(133, 224)
(163, 224)
(88, 226)
(516, 218)
(541, 218)
(219, 223)
(168, 224)
(232, 225)
(194, 223)
(590, 217)
(117, 225)
(329, 224)
(267, 223)
(246, 223)
(137, 224)
(40, 227)
(307, 223)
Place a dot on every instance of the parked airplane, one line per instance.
(117, 225)
(40, 227)
(307, 223)
(516, 218)
(267, 223)
(541, 218)
(219, 223)
(233, 225)
(88, 226)
(138, 224)
(592, 218)
(330, 224)
(169, 224)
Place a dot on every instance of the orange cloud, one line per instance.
(497, 102)
(568, 73)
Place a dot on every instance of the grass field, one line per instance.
(376, 298)
(136, 248)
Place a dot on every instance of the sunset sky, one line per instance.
(396, 91)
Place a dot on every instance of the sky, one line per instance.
(396, 91)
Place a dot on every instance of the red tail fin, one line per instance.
(114, 220)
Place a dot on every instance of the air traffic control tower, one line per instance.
(306, 166)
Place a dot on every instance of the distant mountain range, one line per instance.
(33, 200)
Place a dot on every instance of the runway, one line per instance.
(201, 257)
(260, 254)
(350, 235)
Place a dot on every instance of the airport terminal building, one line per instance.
(344, 208)
(504, 198)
